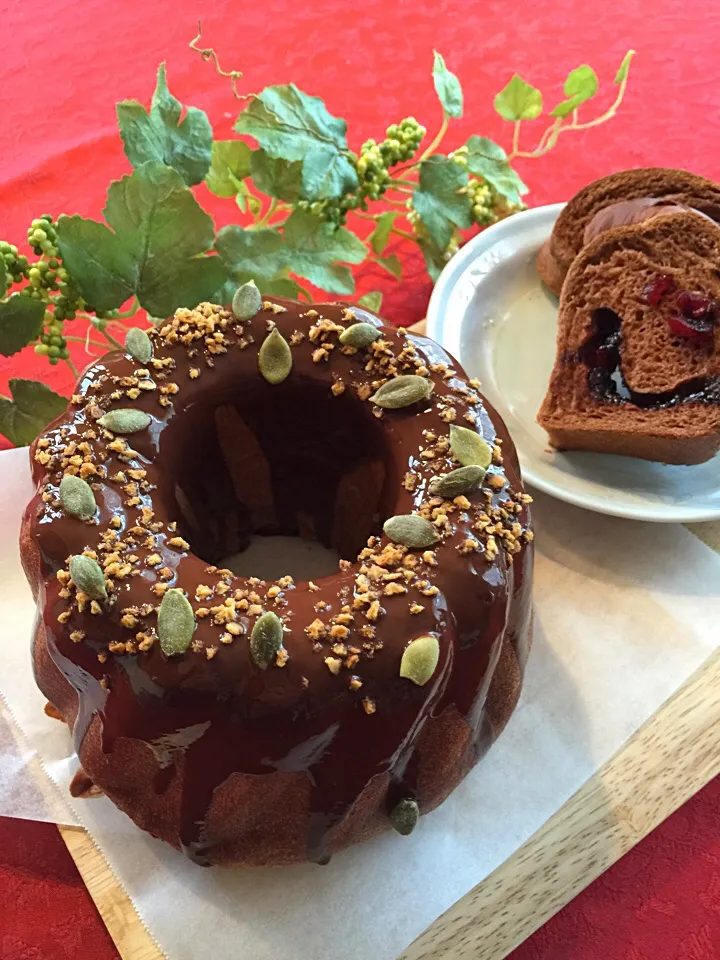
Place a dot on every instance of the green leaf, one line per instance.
(378, 239)
(371, 301)
(624, 68)
(290, 125)
(21, 321)
(32, 407)
(230, 164)
(3, 276)
(488, 160)
(434, 260)
(160, 136)
(447, 87)
(313, 248)
(275, 177)
(392, 264)
(581, 84)
(153, 250)
(257, 253)
(437, 199)
(518, 100)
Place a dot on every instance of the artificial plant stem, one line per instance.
(269, 212)
(516, 138)
(404, 234)
(72, 366)
(438, 139)
(86, 341)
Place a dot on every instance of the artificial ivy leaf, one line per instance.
(447, 87)
(153, 250)
(624, 67)
(21, 321)
(256, 253)
(160, 136)
(581, 84)
(312, 248)
(488, 160)
(434, 259)
(100, 262)
(518, 100)
(371, 301)
(392, 264)
(290, 125)
(437, 199)
(381, 234)
(276, 177)
(32, 407)
(230, 164)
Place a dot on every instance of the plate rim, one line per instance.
(479, 244)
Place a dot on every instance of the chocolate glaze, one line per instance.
(627, 212)
(206, 719)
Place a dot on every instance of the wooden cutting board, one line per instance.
(673, 756)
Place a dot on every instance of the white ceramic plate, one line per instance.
(490, 310)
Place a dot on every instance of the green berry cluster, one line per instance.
(373, 170)
(53, 344)
(16, 265)
(42, 236)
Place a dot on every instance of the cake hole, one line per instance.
(273, 557)
(247, 472)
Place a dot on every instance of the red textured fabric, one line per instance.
(62, 68)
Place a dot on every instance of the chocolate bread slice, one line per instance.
(637, 370)
(647, 186)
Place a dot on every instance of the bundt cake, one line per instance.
(637, 370)
(255, 722)
(617, 200)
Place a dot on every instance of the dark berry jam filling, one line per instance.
(601, 354)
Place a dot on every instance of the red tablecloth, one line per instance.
(62, 68)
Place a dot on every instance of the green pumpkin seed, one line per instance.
(419, 660)
(402, 391)
(359, 335)
(469, 447)
(266, 639)
(274, 357)
(247, 301)
(175, 622)
(139, 345)
(404, 817)
(88, 577)
(411, 531)
(125, 420)
(77, 498)
(457, 482)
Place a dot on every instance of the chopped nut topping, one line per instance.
(333, 664)
(369, 705)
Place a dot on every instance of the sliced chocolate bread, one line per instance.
(637, 370)
(621, 198)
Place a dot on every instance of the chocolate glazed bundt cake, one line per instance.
(255, 722)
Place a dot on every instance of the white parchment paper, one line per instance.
(626, 612)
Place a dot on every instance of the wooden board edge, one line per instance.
(673, 756)
(128, 932)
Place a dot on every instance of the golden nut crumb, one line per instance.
(496, 480)
(281, 657)
(369, 705)
(210, 652)
(337, 388)
(333, 664)
(416, 608)
(179, 542)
